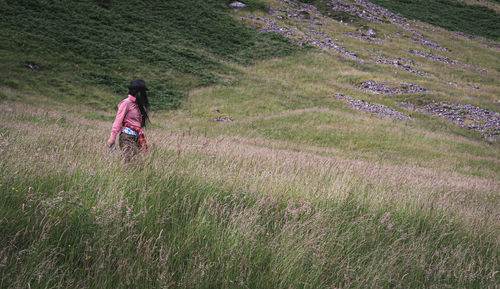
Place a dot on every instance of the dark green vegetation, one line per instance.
(452, 15)
(176, 45)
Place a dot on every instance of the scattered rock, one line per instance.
(362, 37)
(366, 10)
(432, 56)
(309, 19)
(473, 87)
(475, 68)
(443, 59)
(492, 46)
(370, 32)
(401, 65)
(419, 38)
(237, 5)
(33, 66)
(271, 26)
(381, 88)
(372, 13)
(223, 119)
(377, 109)
(465, 115)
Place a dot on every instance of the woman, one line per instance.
(132, 116)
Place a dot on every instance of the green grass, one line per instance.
(300, 191)
(452, 15)
(176, 45)
(103, 224)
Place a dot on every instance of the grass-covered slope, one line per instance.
(300, 190)
(449, 14)
(176, 45)
(468, 17)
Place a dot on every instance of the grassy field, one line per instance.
(230, 212)
(299, 191)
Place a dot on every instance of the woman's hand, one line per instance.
(110, 142)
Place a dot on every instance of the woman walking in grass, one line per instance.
(131, 118)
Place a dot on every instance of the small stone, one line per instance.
(31, 65)
(237, 5)
(223, 119)
(370, 32)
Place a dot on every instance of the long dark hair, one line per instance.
(141, 98)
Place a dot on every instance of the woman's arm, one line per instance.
(117, 124)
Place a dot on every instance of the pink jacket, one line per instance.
(128, 111)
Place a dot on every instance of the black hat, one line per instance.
(138, 83)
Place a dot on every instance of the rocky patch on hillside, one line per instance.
(435, 57)
(399, 64)
(367, 11)
(377, 109)
(432, 56)
(482, 70)
(381, 88)
(420, 39)
(465, 115)
(270, 25)
(362, 36)
(492, 46)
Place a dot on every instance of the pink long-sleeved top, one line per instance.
(128, 111)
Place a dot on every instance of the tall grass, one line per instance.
(300, 191)
(201, 212)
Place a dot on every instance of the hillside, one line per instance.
(294, 144)
(179, 45)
